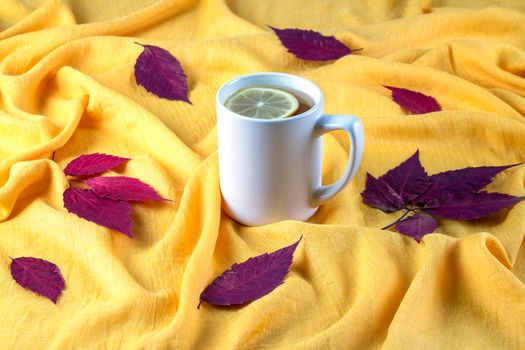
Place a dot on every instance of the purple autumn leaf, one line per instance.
(113, 214)
(408, 179)
(471, 179)
(417, 225)
(310, 45)
(413, 101)
(39, 276)
(90, 164)
(122, 188)
(469, 205)
(160, 73)
(380, 195)
(250, 279)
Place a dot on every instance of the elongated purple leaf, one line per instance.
(310, 45)
(408, 179)
(468, 205)
(417, 225)
(122, 188)
(113, 214)
(380, 195)
(250, 279)
(39, 276)
(160, 73)
(471, 179)
(90, 164)
(413, 101)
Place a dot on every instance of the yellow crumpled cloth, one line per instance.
(67, 86)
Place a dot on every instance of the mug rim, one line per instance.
(317, 102)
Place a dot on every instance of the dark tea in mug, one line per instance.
(268, 102)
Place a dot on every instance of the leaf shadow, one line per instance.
(120, 168)
(139, 225)
(228, 308)
(136, 224)
(488, 222)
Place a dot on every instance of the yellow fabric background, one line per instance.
(67, 85)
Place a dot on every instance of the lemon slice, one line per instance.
(262, 103)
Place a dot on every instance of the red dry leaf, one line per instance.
(413, 101)
(250, 279)
(450, 194)
(160, 73)
(471, 179)
(469, 205)
(417, 225)
(122, 188)
(380, 195)
(310, 45)
(39, 276)
(408, 179)
(91, 164)
(113, 214)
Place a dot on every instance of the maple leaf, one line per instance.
(417, 225)
(408, 179)
(451, 194)
(380, 195)
(469, 205)
(471, 179)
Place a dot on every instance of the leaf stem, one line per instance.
(399, 219)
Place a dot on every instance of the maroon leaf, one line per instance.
(468, 205)
(250, 279)
(122, 188)
(113, 214)
(413, 101)
(90, 164)
(161, 74)
(470, 179)
(310, 45)
(39, 276)
(380, 195)
(417, 225)
(408, 179)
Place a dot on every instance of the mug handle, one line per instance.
(354, 128)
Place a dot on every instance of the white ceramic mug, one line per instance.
(270, 169)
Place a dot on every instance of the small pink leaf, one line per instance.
(122, 188)
(39, 276)
(250, 279)
(469, 205)
(160, 73)
(413, 101)
(380, 195)
(310, 45)
(90, 164)
(113, 214)
(417, 225)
